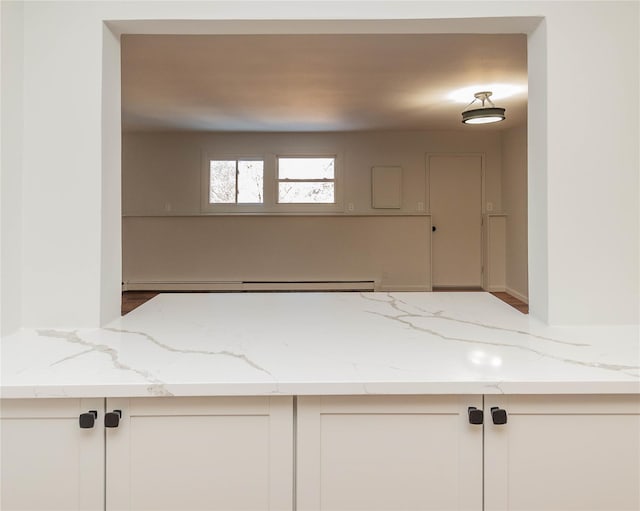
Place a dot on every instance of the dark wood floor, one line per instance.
(513, 301)
(133, 299)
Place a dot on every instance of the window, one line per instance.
(236, 181)
(308, 180)
(271, 183)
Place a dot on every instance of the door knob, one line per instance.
(88, 420)
(498, 415)
(112, 419)
(475, 416)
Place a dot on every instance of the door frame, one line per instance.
(427, 201)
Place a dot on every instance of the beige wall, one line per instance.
(225, 250)
(165, 238)
(514, 200)
(162, 171)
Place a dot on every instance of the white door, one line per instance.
(399, 453)
(220, 453)
(455, 199)
(48, 461)
(563, 453)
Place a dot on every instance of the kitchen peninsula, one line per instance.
(328, 400)
(321, 343)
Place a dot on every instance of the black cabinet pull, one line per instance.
(88, 420)
(475, 416)
(498, 415)
(433, 228)
(112, 419)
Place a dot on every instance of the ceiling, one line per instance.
(317, 82)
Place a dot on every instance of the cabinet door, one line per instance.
(223, 453)
(388, 453)
(563, 453)
(48, 461)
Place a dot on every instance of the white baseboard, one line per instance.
(517, 295)
(389, 288)
(248, 286)
(495, 289)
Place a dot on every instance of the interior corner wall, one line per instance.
(11, 97)
(592, 167)
(62, 211)
(111, 225)
(537, 167)
(514, 201)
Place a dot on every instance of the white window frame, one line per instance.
(307, 207)
(230, 207)
(270, 205)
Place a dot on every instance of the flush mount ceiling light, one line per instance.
(482, 114)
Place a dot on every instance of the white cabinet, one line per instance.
(555, 453)
(48, 461)
(388, 453)
(165, 454)
(563, 453)
(218, 453)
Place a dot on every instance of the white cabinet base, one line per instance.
(214, 453)
(388, 453)
(563, 453)
(48, 462)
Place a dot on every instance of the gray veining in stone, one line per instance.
(320, 343)
(405, 316)
(225, 353)
(393, 302)
(157, 386)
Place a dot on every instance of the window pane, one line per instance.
(222, 182)
(309, 193)
(250, 177)
(306, 168)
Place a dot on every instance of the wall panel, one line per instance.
(391, 250)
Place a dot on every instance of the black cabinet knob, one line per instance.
(433, 228)
(88, 420)
(498, 415)
(112, 419)
(475, 416)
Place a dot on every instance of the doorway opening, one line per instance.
(435, 282)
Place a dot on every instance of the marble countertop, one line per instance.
(208, 344)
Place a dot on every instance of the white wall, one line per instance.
(514, 204)
(110, 200)
(592, 168)
(11, 20)
(162, 176)
(575, 276)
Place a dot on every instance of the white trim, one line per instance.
(305, 207)
(207, 208)
(269, 205)
(494, 289)
(366, 285)
(390, 288)
(516, 294)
